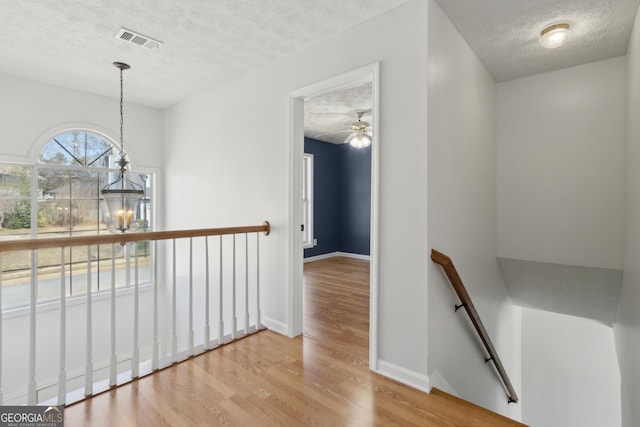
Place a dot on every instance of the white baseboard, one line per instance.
(404, 375)
(438, 381)
(335, 254)
(276, 326)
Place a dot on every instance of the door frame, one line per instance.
(369, 73)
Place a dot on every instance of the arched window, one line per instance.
(60, 196)
(77, 148)
(72, 169)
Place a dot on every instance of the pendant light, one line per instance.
(122, 195)
(360, 133)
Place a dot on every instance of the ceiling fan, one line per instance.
(361, 133)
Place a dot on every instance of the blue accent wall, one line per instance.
(342, 198)
(354, 199)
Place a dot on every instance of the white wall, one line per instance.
(30, 113)
(627, 328)
(462, 221)
(570, 376)
(30, 110)
(227, 162)
(560, 173)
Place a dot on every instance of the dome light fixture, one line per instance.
(554, 36)
(122, 195)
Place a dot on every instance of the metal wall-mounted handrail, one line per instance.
(450, 270)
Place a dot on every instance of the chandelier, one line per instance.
(123, 195)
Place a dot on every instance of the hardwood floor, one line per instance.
(320, 379)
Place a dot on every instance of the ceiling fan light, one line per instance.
(554, 36)
(360, 140)
(361, 134)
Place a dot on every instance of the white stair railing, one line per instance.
(127, 329)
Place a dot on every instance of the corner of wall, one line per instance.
(405, 376)
(276, 326)
(437, 380)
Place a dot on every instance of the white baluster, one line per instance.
(62, 376)
(127, 264)
(174, 326)
(190, 353)
(113, 374)
(234, 319)
(33, 391)
(220, 305)
(246, 283)
(135, 358)
(258, 314)
(207, 327)
(155, 361)
(88, 383)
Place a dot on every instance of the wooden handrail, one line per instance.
(58, 242)
(451, 272)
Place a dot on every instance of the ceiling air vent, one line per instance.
(138, 39)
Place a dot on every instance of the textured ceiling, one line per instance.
(504, 33)
(327, 117)
(71, 43)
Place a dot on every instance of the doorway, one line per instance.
(365, 75)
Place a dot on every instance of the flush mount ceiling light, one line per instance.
(554, 36)
(360, 136)
(122, 195)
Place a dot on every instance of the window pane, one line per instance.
(55, 206)
(15, 181)
(97, 151)
(73, 169)
(16, 217)
(78, 148)
(71, 200)
(15, 202)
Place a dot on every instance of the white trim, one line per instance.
(335, 254)
(307, 220)
(374, 273)
(345, 80)
(275, 326)
(295, 255)
(438, 381)
(369, 73)
(320, 257)
(405, 376)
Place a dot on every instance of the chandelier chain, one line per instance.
(121, 114)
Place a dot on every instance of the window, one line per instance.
(307, 201)
(58, 197)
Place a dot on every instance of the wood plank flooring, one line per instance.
(320, 379)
